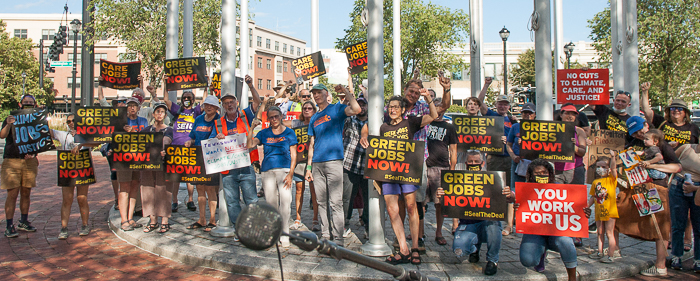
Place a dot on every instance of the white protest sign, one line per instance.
(225, 154)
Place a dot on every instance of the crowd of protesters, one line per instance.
(334, 169)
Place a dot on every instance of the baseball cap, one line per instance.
(120, 98)
(279, 100)
(319, 87)
(160, 104)
(134, 100)
(212, 100)
(678, 103)
(634, 124)
(569, 107)
(228, 95)
(502, 98)
(528, 107)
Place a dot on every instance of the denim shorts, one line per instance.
(297, 177)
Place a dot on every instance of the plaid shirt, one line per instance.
(354, 158)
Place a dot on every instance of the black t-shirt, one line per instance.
(11, 150)
(403, 130)
(686, 134)
(666, 150)
(581, 120)
(440, 136)
(609, 120)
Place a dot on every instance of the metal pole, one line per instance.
(244, 51)
(617, 28)
(505, 69)
(314, 29)
(75, 68)
(543, 60)
(568, 61)
(187, 22)
(171, 36)
(558, 38)
(24, 82)
(376, 246)
(629, 54)
(475, 56)
(398, 66)
(87, 68)
(41, 64)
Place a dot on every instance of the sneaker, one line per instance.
(696, 266)
(26, 226)
(607, 259)
(653, 271)
(540, 267)
(63, 235)
(592, 228)
(596, 256)
(173, 208)
(676, 263)
(616, 255)
(84, 230)
(296, 225)
(491, 268)
(11, 232)
(347, 233)
(191, 206)
(578, 242)
(474, 257)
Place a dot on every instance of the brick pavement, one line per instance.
(100, 255)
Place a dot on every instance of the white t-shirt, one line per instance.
(65, 138)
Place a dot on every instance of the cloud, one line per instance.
(28, 5)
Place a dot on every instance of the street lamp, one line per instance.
(24, 81)
(504, 33)
(75, 26)
(569, 50)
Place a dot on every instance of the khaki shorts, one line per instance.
(18, 173)
(126, 176)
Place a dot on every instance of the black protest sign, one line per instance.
(75, 169)
(216, 83)
(185, 73)
(302, 133)
(186, 164)
(309, 67)
(357, 57)
(31, 131)
(473, 195)
(120, 76)
(137, 151)
(548, 140)
(602, 142)
(481, 133)
(96, 124)
(395, 160)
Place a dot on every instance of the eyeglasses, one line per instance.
(305, 96)
(394, 107)
(676, 108)
(308, 108)
(69, 121)
(273, 117)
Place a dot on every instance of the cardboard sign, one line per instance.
(303, 139)
(394, 160)
(583, 87)
(290, 116)
(604, 141)
(551, 209)
(31, 132)
(648, 202)
(357, 57)
(634, 172)
(137, 151)
(474, 195)
(309, 67)
(186, 164)
(481, 133)
(548, 140)
(75, 169)
(216, 82)
(185, 73)
(225, 154)
(96, 124)
(120, 76)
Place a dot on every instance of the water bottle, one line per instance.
(688, 179)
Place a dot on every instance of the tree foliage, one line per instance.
(15, 57)
(428, 31)
(524, 73)
(141, 26)
(669, 46)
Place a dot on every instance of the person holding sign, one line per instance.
(519, 166)
(17, 175)
(614, 119)
(676, 125)
(280, 147)
(206, 194)
(572, 173)
(603, 196)
(155, 195)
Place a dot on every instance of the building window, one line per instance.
(279, 67)
(250, 63)
(47, 34)
(71, 36)
(259, 84)
(79, 59)
(285, 66)
(269, 84)
(269, 64)
(259, 62)
(259, 41)
(298, 51)
(250, 37)
(284, 48)
(21, 33)
(277, 45)
(70, 82)
(99, 56)
(291, 49)
(267, 43)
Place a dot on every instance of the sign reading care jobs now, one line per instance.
(395, 160)
(481, 133)
(137, 151)
(75, 169)
(357, 57)
(186, 164)
(551, 209)
(225, 154)
(185, 73)
(310, 66)
(548, 140)
(583, 86)
(97, 124)
(120, 76)
(474, 195)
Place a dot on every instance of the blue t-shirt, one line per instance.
(513, 138)
(232, 127)
(202, 129)
(276, 148)
(507, 124)
(137, 124)
(327, 128)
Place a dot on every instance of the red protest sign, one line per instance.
(551, 209)
(583, 87)
(290, 116)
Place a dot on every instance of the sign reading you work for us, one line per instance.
(481, 133)
(137, 151)
(309, 67)
(395, 160)
(31, 132)
(473, 195)
(186, 164)
(97, 124)
(185, 73)
(579, 86)
(549, 140)
(75, 169)
(120, 76)
(357, 57)
(225, 154)
(551, 209)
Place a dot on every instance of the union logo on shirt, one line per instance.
(203, 129)
(275, 140)
(321, 120)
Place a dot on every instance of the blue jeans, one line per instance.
(533, 246)
(680, 206)
(237, 181)
(468, 239)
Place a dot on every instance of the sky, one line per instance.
(292, 16)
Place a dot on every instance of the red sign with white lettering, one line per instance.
(551, 209)
(583, 87)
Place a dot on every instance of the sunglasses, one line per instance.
(121, 101)
(308, 108)
(676, 108)
(305, 96)
(69, 121)
(624, 93)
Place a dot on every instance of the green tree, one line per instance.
(16, 57)
(141, 26)
(428, 31)
(669, 46)
(524, 73)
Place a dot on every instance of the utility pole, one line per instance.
(87, 54)
(617, 31)
(543, 59)
(630, 53)
(171, 36)
(41, 64)
(476, 33)
(398, 66)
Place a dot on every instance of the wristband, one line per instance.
(308, 167)
(447, 90)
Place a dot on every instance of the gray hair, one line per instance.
(274, 108)
(138, 90)
(473, 152)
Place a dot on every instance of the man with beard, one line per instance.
(614, 119)
(353, 166)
